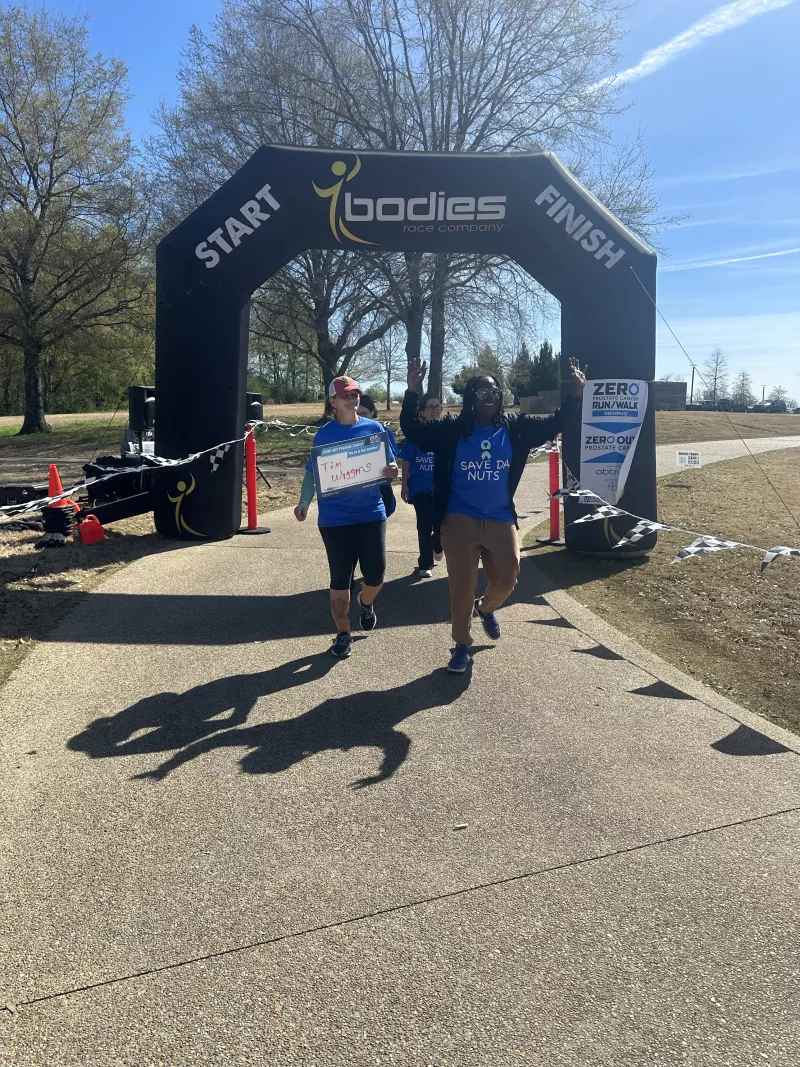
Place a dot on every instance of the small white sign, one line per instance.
(689, 459)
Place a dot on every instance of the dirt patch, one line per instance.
(716, 618)
(39, 586)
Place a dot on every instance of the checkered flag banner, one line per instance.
(704, 546)
(218, 455)
(642, 529)
(778, 550)
(607, 511)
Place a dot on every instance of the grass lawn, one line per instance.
(79, 437)
(715, 617)
(685, 427)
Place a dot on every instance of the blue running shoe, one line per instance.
(490, 624)
(369, 620)
(460, 660)
(342, 646)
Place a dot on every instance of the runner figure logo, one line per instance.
(339, 169)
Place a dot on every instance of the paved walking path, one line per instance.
(221, 846)
(715, 451)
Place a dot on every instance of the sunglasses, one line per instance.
(486, 394)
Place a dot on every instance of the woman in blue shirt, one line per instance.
(417, 471)
(353, 525)
(480, 456)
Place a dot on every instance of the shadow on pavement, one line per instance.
(190, 722)
(130, 619)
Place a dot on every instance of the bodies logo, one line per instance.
(435, 212)
(339, 169)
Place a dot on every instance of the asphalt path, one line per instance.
(221, 846)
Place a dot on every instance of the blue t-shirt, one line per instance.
(360, 505)
(480, 475)
(420, 469)
(392, 443)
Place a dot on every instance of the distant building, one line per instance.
(543, 403)
(668, 396)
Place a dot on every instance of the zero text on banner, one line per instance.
(610, 423)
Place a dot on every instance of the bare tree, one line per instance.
(242, 87)
(322, 305)
(471, 75)
(438, 76)
(73, 226)
(387, 362)
(715, 376)
(742, 392)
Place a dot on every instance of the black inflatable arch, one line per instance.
(285, 200)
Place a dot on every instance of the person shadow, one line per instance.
(194, 723)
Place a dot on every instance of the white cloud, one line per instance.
(727, 17)
(734, 259)
(763, 171)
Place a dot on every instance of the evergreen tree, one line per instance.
(546, 368)
(520, 377)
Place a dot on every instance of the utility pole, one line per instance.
(691, 392)
(763, 391)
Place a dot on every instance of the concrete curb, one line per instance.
(604, 633)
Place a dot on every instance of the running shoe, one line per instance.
(424, 572)
(369, 620)
(437, 557)
(490, 624)
(342, 646)
(460, 660)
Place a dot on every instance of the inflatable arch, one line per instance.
(285, 200)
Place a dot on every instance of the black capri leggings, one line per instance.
(360, 542)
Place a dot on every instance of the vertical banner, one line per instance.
(610, 423)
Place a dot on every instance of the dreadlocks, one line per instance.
(467, 414)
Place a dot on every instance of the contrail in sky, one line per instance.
(727, 17)
(725, 262)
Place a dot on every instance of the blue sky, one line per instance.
(715, 88)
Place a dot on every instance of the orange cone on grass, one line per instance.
(55, 487)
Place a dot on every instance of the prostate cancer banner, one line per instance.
(610, 423)
(349, 465)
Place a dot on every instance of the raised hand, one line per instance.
(577, 376)
(416, 374)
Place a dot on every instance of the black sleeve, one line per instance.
(427, 436)
(534, 430)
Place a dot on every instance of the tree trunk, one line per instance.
(437, 322)
(416, 306)
(34, 421)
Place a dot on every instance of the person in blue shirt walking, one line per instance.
(353, 525)
(480, 456)
(417, 489)
(367, 409)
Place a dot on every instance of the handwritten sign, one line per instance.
(349, 465)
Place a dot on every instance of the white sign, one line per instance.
(352, 464)
(689, 459)
(613, 412)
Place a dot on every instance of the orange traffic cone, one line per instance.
(55, 487)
